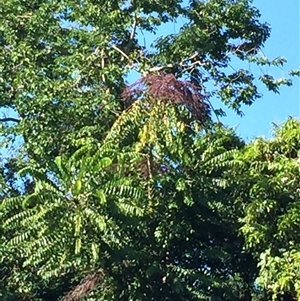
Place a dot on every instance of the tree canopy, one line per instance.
(119, 190)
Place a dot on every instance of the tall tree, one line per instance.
(153, 220)
(124, 185)
(64, 64)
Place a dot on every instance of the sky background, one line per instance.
(284, 20)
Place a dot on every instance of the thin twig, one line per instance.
(214, 110)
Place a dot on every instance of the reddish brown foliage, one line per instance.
(167, 87)
(84, 287)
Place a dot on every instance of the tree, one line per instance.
(271, 219)
(151, 234)
(106, 164)
(64, 64)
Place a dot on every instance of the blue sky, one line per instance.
(284, 19)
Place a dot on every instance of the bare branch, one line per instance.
(133, 27)
(10, 119)
(181, 64)
(189, 58)
(132, 34)
(156, 69)
(120, 51)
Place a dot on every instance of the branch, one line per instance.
(156, 69)
(181, 64)
(132, 34)
(7, 119)
(102, 64)
(124, 55)
(189, 58)
(159, 68)
(120, 51)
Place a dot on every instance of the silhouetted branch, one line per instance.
(8, 119)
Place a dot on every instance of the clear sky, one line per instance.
(284, 19)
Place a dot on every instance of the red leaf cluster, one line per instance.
(169, 88)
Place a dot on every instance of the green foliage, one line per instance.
(110, 198)
(86, 215)
(63, 64)
(271, 221)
